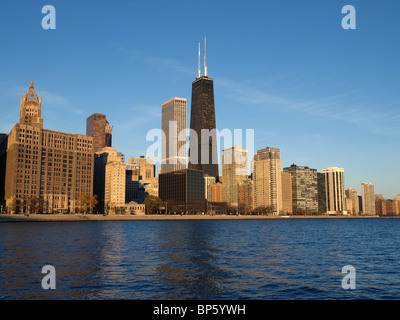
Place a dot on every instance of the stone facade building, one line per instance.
(50, 167)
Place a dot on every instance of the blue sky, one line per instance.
(287, 69)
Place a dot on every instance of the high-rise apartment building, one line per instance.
(267, 184)
(397, 204)
(234, 171)
(287, 198)
(173, 122)
(321, 192)
(203, 137)
(386, 207)
(353, 196)
(304, 188)
(54, 167)
(245, 196)
(334, 190)
(368, 198)
(98, 127)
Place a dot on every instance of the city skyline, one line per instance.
(330, 103)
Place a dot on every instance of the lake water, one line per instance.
(202, 259)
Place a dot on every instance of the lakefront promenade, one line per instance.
(100, 217)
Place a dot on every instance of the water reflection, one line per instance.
(285, 259)
(189, 261)
(28, 247)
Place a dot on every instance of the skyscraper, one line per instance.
(267, 183)
(304, 188)
(52, 166)
(98, 127)
(234, 171)
(203, 138)
(368, 198)
(173, 122)
(334, 190)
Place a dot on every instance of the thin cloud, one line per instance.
(160, 63)
(364, 116)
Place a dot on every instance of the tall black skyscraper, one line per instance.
(202, 116)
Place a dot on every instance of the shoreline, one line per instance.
(100, 217)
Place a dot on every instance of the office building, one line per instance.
(184, 189)
(304, 189)
(52, 167)
(368, 198)
(203, 138)
(98, 127)
(267, 184)
(173, 123)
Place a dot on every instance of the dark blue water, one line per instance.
(223, 259)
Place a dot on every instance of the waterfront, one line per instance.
(202, 259)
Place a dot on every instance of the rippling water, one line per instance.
(202, 259)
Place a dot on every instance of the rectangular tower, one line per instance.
(173, 122)
(368, 198)
(234, 171)
(334, 189)
(98, 127)
(304, 188)
(203, 139)
(267, 183)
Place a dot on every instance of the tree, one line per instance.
(87, 203)
(153, 204)
(176, 209)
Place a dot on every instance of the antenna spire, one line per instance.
(205, 56)
(198, 72)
